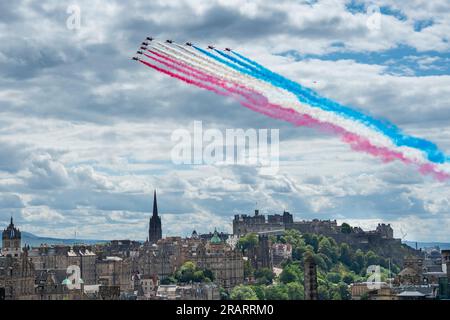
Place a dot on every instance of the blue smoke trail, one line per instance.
(310, 97)
(237, 61)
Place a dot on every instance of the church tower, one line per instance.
(11, 241)
(154, 230)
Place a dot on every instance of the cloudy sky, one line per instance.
(85, 133)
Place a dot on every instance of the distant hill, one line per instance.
(422, 245)
(34, 241)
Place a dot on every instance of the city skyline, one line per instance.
(208, 228)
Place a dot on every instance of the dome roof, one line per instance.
(215, 238)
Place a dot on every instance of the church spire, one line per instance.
(154, 230)
(155, 205)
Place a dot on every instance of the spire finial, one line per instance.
(155, 204)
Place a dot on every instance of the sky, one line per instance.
(85, 132)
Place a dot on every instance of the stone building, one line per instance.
(243, 224)
(115, 272)
(412, 272)
(281, 252)
(194, 291)
(381, 240)
(227, 264)
(17, 277)
(444, 281)
(261, 255)
(372, 291)
(51, 285)
(11, 241)
(16, 271)
(61, 257)
(154, 230)
(161, 259)
(118, 248)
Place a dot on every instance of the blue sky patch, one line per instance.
(402, 60)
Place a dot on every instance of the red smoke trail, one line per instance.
(181, 64)
(262, 105)
(184, 79)
(356, 142)
(225, 84)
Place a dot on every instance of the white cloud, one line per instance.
(85, 133)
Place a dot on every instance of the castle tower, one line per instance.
(310, 278)
(11, 241)
(154, 230)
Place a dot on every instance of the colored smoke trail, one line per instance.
(228, 80)
(283, 98)
(235, 90)
(310, 97)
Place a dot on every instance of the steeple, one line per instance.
(11, 240)
(155, 205)
(154, 230)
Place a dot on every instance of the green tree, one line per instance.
(248, 241)
(186, 272)
(295, 291)
(359, 262)
(371, 258)
(264, 276)
(345, 254)
(189, 272)
(346, 228)
(208, 274)
(348, 278)
(260, 291)
(334, 277)
(326, 248)
(344, 291)
(295, 239)
(248, 269)
(168, 280)
(312, 240)
(290, 273)
(277, 292)
(242, 292)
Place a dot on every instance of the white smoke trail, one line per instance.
(282, 97)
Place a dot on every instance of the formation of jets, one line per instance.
(145, 43)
